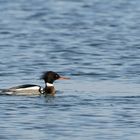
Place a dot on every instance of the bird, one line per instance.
(31, 89)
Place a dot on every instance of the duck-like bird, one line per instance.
(29, 89)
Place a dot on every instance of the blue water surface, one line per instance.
(94, 42)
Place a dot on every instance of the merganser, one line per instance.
(30, 89)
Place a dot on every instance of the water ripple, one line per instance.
(96, 44)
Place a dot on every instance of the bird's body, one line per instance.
(27, 89)
(31, 89)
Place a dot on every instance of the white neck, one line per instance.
(49, 85)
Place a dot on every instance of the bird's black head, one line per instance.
(50, 76)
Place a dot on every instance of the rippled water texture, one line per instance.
(94, 42)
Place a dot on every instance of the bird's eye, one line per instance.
(56, 76)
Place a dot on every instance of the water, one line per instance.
(95, 43)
